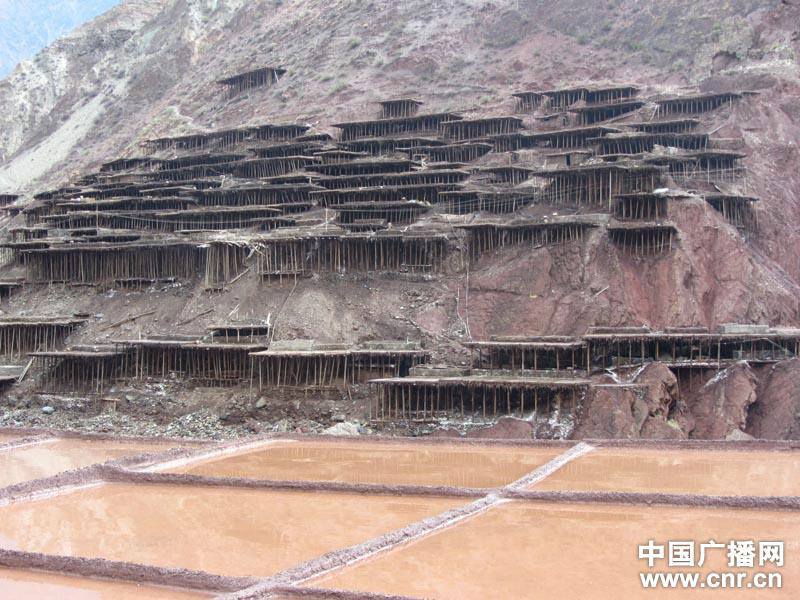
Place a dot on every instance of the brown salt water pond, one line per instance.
(51, 457)
(720, 472)
(226, 531)
(25, 585)
(380, 463)
(572, 551)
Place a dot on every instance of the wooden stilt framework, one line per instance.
(429, 177)
(241, 82)
(673, 126)
(737, 210)
(689, 350)
(100, 264)
(422, 193)
(211, 364)
(508, 175)
(566, 139)
(88, 371)
(418, 124)
(465, 152)
(168, 221)
(226, 137)
(392, 212)
(330, 368)
(695, 104)
(641, 206)
(365, 166)
(479, 398)
(644, 239)
(558, 355)
(487, 237)
(225, 260)
(558, 100)
(397, 108)
(640, 142)
(241, 333)
(589, 115)
(470, 129)
(251, 194)
(21, 336)
(352, 252)
(460, 202)
(378, 146)
(596, 185)
(8, 288)
(703, 165)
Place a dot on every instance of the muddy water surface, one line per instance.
(733, 473)
(28, 585)
(49, 458)
(569, 551)
(225, 531)
(359, 462)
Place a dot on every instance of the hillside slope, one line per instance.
(148, 68)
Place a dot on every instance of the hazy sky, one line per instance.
(27, 26)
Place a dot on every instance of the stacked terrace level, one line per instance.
(595, 185)
(474, 129)
(80, 369)
(560, 99)
(428, 395)
(20, 335)
(303, 253)
(227, 137)
(486, 237)
(256, 78)
(464, 201)
(695, 104)
(417, 125)
(309, 364)
(213, 363)
(399, 108)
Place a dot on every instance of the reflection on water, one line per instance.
(381, 463)
(689, 471)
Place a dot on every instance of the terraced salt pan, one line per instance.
(220, 530)
(25, 585)
(525, 549)
(379, 463)
(51, 457)
(710, 472)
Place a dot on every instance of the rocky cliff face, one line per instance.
(148, 68)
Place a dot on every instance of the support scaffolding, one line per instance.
(559, 355)
(488, 237)
(330, 368)
(418, 124)
(596, 185)
(471, 129)
(450, 153)
(479, 398)
(643, 239)
(99, 264)
(641, 206)
(695, 104)
(398, 108)
(737, 210)
(74, 370)
(21, 336)
(211, 364)
(263, 77)
(341, 253)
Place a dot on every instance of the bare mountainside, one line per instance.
(150, 69)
